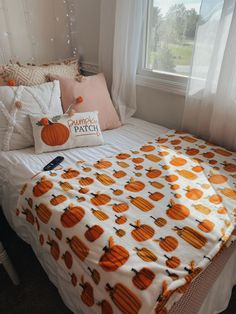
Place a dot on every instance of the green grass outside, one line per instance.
(182, 53)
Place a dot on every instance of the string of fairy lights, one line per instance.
(8, 49)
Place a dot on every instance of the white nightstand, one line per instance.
(6, 262)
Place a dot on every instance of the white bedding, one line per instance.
(16, 167)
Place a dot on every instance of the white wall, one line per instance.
(50, 29)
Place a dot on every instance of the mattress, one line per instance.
(18, 166)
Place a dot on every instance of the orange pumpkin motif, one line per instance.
(187, 174)
(217, 178)
(152, 157)
(102, 164)
(141, 203)
(95, 275)
(105, 307)
(143, 278)
(172, 262)
(100, 199)
(142, 232)
(156, 196)
(120, 220)
(68, 259)
(222, 152)
(29, 216)
(54, 249)
(156, 184)
(114, 257)
(72, 215)
(104, 179)
(193, 237)
(134, 186)
(126, 301)
(206, 225)
(43, 213)
(177, 211)
(153, 173)
(193, 193)
(168, 243)
(87, 296)
(120, 207)
(146, 255)
(70, 174)
(99, 214)
(122, 156)
(86, 181)
(93, 233)
(229, 166)
(147, 148)
(42, 187)
(119, 174)
(58, 199)
(78, 247)
(178, 162)
(54, 134)
(58, 233)
(160, 222)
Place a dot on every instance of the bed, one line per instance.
(16, 167)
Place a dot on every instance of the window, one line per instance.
(169, 39)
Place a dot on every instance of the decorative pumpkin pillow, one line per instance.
(17, 103)
(66, 131)
(92, 94)
(29, 75)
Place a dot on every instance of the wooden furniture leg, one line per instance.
(6, 262)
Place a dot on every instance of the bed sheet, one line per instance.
(16, 167)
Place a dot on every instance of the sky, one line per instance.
(165, 4)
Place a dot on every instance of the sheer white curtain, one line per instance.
(124, 51)
(210, 109)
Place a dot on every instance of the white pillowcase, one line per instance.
(17, 103)
(66, 131)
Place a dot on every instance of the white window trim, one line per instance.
(163, 81)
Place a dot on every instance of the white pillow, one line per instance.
(17, 103)
(53, 133)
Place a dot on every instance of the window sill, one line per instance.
(173, 85)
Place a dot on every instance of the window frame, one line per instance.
(163, 81)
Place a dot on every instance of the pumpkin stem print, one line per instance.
(53, 134)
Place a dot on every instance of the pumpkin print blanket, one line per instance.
(132, 231)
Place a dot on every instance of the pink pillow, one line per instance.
(94, 93)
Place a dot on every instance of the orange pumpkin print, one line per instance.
(177, 211)
(114, 257)
(29, 216)
(217, 179)
(104, 179)
(102, 164)
(122, 156)
(143, 278)
(197, 169)
(58, 233)
(54, 134)
(171, 178)
(125, 300)
(178, 162)
(208, 155)
(54, 249)
(68, 259)
(193, 237)
(78, 247)
(138, 160)
(229, 166)
(86, 181)
(105, 307)
(99, 214)
(156, 184)
(43, 213)
(192, 151)
(72, 216)
(156, 196)
(95, 275)
(152, 157)
(134, 186)
(87, 296)
(100, 199)
(117, 192)
(160, 222)
(120, 207)
(147, 148)
(153, 173)
(141, 203)
(119, 232)
(93, 233)
(42, 187)
(70, 173)
(206, 225)
(142, 232)
(228, 193)
(168, 243)
(120, 220)
(58, 199)
(172, 262)
(193, 193)
(146, 255)
(215, 199)
(222, 152)
(73, 279)
(119, 174)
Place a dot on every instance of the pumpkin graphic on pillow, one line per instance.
(53, 133)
